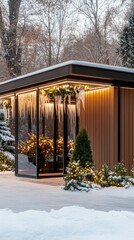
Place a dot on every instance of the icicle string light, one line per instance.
(13, 106)
(27, 103)
(71, 108)
(60, 113)
(49, 110)
(41, 105)
(58, 101)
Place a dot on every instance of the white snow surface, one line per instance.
(68, 223)
(45, 212)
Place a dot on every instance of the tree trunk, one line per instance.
(9, 38)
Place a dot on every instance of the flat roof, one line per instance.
(75, 70)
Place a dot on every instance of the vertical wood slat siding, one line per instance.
(100, 120)
(127, 126)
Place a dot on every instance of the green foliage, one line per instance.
(118, 177)
(5, 163)
(7, 140)
(75, 177)
(82, 151)
(103, 176)
(84, 178)
(120, 169)
(126, 44)
(63, 91)
(74, 171)
(89, 173)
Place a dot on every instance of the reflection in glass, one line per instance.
(27, 134)
(56, 120)
(47, 117)
(46, 136)
(7, 125)
(59, 141)
(71, 128)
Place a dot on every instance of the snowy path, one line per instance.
(19, 195)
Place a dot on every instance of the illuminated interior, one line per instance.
(45, 142)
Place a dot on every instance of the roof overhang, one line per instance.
(73, 70)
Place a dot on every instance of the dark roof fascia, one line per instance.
(112, 76)
(35, 80)
(71, 69)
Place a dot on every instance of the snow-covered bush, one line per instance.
(7, 140)
(102, 176)
(120, 169)
(89, 173)
(118, 177)
(6, 163)
(85, 178)
(75, 177)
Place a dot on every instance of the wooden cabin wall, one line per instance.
(127, 126)
(100, 120)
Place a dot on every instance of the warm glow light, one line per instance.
(127, 88)
(7, 96)
(27, 101)
(49, 110)
(97, 90)
(87, 85)
(31, 91)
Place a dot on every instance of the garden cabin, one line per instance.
(45, 110)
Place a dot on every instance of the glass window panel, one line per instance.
(27, 134)
(46, 136)
(59, 145)
(71, 127)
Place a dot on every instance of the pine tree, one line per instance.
(82, 151)
(126, 43)
(7, 140)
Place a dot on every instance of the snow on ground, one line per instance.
(68, 223)
(29, 210)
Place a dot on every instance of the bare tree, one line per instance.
(57, 21)
(3, 68)
(99, 38)
(8, 34)
(33, 49)
(40, 33)
(92, 11)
